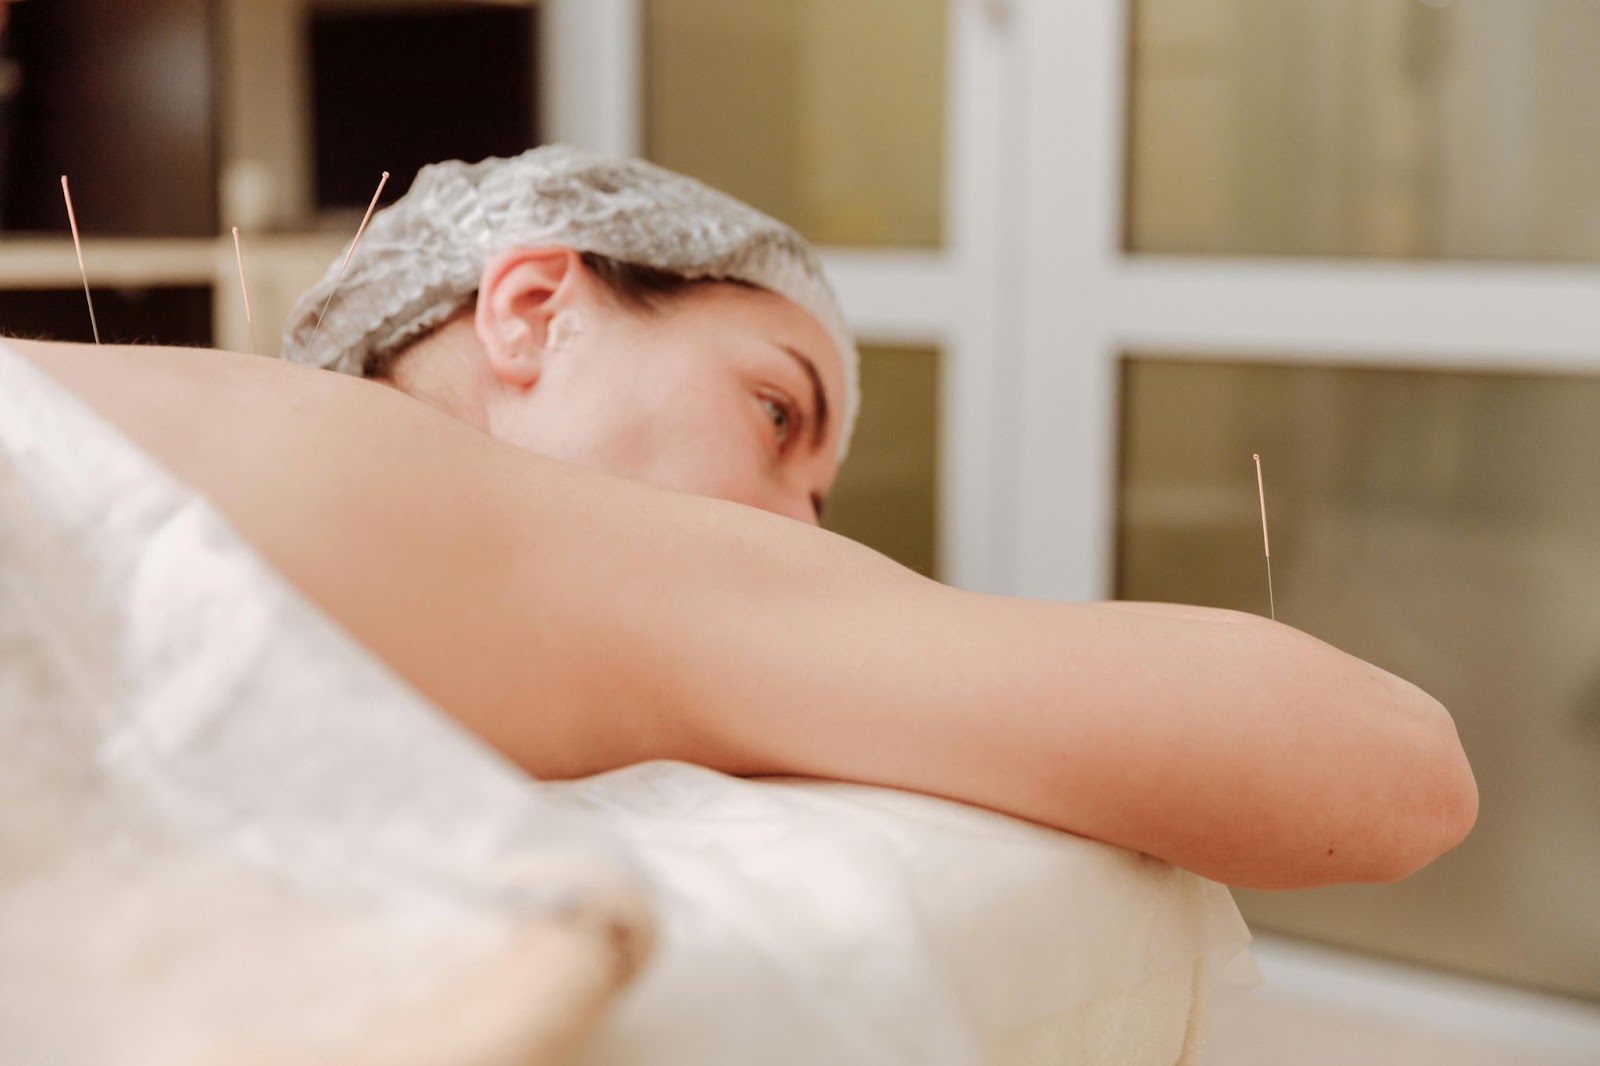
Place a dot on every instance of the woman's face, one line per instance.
(725, 391)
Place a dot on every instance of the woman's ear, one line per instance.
(520, 293)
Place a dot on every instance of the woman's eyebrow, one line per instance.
(819, 396)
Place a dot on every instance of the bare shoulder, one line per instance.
(193, 408)
(494, 580)
(296, 457)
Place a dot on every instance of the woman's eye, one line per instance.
(782, 417)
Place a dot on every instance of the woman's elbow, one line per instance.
(1445, 811)
(1392, 839)
(1403, 801)
(1430, 801)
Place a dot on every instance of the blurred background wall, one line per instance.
(1098, 254)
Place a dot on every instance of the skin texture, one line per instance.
(707, 394)
(579, 622)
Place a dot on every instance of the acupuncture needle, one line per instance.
(338, 280)
(238, 255)
(1266, 545)
(77, 246)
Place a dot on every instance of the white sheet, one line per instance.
(218, 779)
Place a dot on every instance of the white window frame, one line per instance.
(953, 298)
(591, 63)
(1086, 302)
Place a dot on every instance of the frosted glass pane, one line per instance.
(886, 495)
(1445, 526)
(828, 114)
(1392, 128)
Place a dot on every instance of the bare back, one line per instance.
(471, 567)
(579, 622)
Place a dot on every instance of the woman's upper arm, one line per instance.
(1251, 753)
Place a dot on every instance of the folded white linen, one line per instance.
(227, 834)
(221, 819)
(909, 928)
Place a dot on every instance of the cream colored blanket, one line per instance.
(228, 834)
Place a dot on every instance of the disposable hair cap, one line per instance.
(423, 256)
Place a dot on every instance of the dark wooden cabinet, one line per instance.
(121, 96)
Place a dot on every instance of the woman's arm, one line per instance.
(1240, 749)
(579, 623)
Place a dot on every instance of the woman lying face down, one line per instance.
(667, 358)
(711, 388)
(580, 622)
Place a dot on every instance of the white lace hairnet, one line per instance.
(422, 256)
